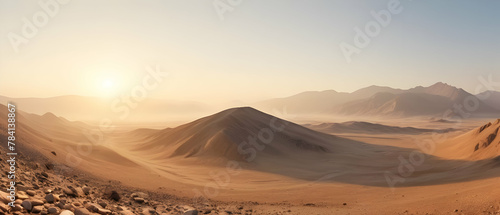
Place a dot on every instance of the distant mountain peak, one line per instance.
(50, 115)
(442, 85)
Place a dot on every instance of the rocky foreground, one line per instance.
(43, 189)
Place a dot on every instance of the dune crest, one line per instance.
(480, 143)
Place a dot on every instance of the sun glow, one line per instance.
(108, 82)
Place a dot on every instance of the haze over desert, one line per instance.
(249, 107)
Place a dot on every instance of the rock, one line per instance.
(103, 211)
(17, 208)
(37, 209)
(112, 194)
(36, 202)
(102, 203)
(92, 207)
(78, 191)
(82, 211)
(66, 212)
(69, 192)
(139, 200)
(60, 205)
(69, 207)
(22, 195)
(54, 153)
(126, 212)
(140, 195)
(52, 210)
(191, 212)
(31, 192)
(27, 205)
(51, 198)
(4, 198)
(86, 190)
(4, 207)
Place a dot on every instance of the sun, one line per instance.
(107, 84)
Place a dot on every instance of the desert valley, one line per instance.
(234, 107)
(412, 148)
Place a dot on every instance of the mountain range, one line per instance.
(432, 101)
(385, 101)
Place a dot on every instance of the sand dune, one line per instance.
(478, 144)
(370, 128)
(238, 134)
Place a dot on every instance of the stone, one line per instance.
(191, 212)
(86, 190)
(60, 205)
(52, 210)
(102, 203)
(66, 212)
(126, 212)
(22, 195)
(37, 209)
(140, 195)
(82, 211)
(112, 194)
(103, 211)
(78, 191)
(4, 198)
(36, 202)
(17, 208)
(92, 207)
(50, 198)
(31, 192)
(27, 205)
(4, 207)
(69, 192)
(139, 200)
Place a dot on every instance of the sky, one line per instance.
(219, 50)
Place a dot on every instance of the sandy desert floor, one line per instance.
(352, 176)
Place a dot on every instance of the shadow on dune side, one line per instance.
(380, 166)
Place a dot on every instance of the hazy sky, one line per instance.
(261, 49)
